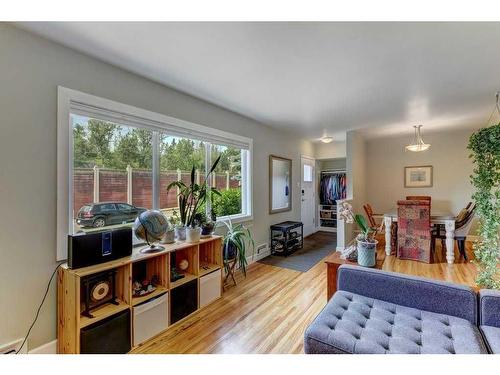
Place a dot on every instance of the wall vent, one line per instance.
(261, 248)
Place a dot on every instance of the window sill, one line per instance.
(235, 219)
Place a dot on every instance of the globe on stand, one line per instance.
(151, 226)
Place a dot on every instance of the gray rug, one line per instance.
(316, 247)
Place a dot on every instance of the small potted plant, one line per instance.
(191, 197)
(235, 245)
(366, 244)
(179, 228)
(169, 236)
(207, 225)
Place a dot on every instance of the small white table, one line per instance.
(445, 218)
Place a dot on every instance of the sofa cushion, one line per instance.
(351, 323)
(492, 336)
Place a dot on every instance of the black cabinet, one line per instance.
(184, 300)
(108, 336)
(286, 237)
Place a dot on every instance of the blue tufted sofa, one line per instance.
(489, 319)
(380, 312)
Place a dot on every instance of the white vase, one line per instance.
(168, 237)
(193, 234)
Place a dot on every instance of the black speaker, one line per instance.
(87, 249)
(108, 336)
(184, 300)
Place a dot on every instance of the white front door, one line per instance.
(307, 193)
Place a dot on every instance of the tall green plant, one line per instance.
(485, 147)
(194, 195)
(238, 236)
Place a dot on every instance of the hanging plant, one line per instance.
(485, 147)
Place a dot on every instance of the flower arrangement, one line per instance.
(367, 233)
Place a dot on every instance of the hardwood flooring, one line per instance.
(269, 311)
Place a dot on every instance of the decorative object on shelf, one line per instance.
(174, 274)
(191, 197)
(151, 226)
(183, 265)
(169, 236)
(485, 154)
(207, 225)
(418, 176)
(366, 244)
(349, 253)
(96, 290)
(286, 237)
(280, 184)
(418, 143)
(145, 287)
(235, 245)
(193, 234)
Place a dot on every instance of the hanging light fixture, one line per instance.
(418, 143)
(326, 139)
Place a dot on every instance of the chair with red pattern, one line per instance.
(414, 230)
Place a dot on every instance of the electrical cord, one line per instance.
(39, 308)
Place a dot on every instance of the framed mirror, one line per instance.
(280, 184)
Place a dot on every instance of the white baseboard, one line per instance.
(48, 348)
(260, 256)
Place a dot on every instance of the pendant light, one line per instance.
(326, 139)
(418, 143)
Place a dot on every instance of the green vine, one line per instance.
(485, 147)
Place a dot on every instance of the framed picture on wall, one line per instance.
(418, 176)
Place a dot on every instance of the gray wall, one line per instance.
(448, 154)
(330, 150)
(31, 68)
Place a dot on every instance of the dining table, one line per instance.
(437, 217)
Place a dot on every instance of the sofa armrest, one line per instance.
(410, 291)
(489, 307)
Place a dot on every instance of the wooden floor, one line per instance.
(269, 311)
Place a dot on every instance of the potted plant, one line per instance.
(169, 236)
(179, 228)
(207, 225)
(366, 244)
(235, 245)
(191, 197)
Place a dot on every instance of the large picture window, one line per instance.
(120, 160)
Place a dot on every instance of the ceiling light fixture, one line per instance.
(326, 139)
(418, 143)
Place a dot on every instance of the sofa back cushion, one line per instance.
(489, 307)
(411, 291)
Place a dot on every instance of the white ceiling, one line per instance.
(312, 78)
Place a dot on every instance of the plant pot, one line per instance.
(207, 229)
(229, 251)
(180, 233)
(193, 234)
(367, 253)
(169, 236)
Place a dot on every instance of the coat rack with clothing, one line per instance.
(332, 187)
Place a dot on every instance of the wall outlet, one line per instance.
(13, 347)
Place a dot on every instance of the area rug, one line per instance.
(316, 247)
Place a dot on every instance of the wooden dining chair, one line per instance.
(372, 219)
(462, 229)
(419, 198)
(414, 230)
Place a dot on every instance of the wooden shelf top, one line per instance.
(138, 300)
(187, 278)
(211, 267)
(102, 312)
(137, 256)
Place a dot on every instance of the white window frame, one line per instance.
(129, 115)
